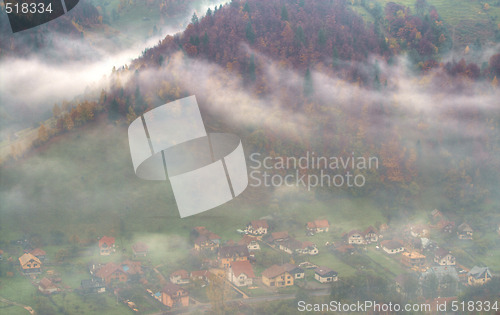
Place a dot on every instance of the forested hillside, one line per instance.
(309, 75)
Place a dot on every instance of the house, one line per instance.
(250, 242)
(392, 246)
(140, 249)
(446, 226)
(203, 243)
(257, 227)
(371, 235)
(443, 257)
(354, 237)
(106, 245)
(111, 272)
(199, 275)
(277, 277)
(132, 268)
(201, 230)
(30, 264)
(180, 276)
(295, 271)
(172, 295)
(478, 276)
(277, 237)
(292, 245)
(240, 273)
(47, 287)
(228, 254)
(325, 275)
(413, 260)
(39, 253)
(317, 226)
(93, 285)
(464, 231)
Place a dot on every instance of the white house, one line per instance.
(241, 273)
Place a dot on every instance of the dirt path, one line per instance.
(26, 307)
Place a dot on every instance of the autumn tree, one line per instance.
(43, 135)
(68, 122)
(217, 291)
(131, 116)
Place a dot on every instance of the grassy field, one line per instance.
(82, 186)
(467, 20)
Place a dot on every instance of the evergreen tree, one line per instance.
(194, 19)
(308, 84)
(205, 39)
(250, 33)
(321, 38)
(300, 37)
(251, 69)
(246, 8)
(284, 13)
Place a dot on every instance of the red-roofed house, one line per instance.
(443, 257)
(250, 242)
(355, 237)
(46, 286)
(257, 227)
(228, 254)
(277, 237)
(173, 295)
(39, 253)
(318, 226)
(132, 267)
(277, 276)
(140, 249)
(202, 243)
(179, 277)
(106, 245)
(241, 273)
(112, 272)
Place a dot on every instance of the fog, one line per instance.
(30, 86)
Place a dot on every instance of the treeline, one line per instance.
(300, 34)
(65, 118)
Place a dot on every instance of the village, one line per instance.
(265, 260)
